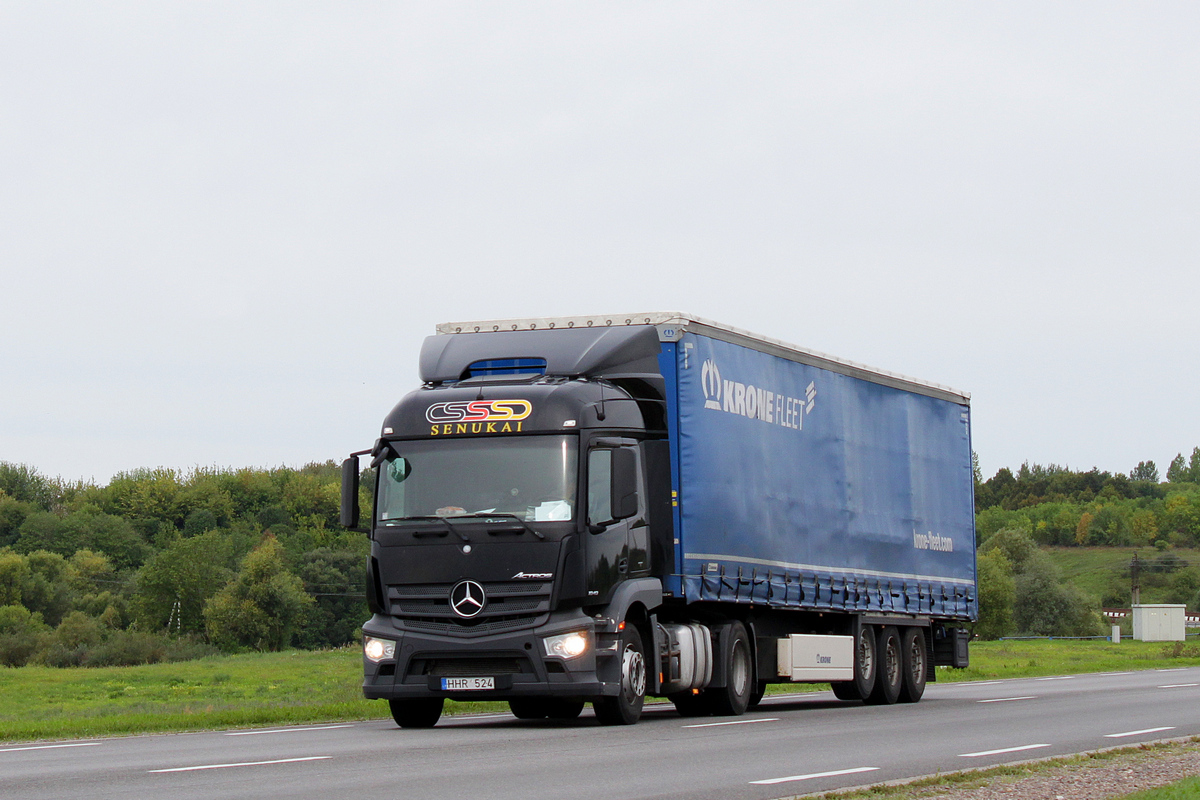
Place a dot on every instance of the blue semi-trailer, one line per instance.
(600, 509)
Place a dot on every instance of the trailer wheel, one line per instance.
(845, 690)
(890, 674)
(865, 650)
(416, 712)
(626, 707)
(912, 647)
(732, 699)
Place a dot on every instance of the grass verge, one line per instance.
(302, 686)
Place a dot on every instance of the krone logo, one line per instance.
(467, 598)
(710, 380)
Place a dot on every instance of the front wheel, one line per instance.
(418, 712)
(626, 707)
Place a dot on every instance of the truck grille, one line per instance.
(511, 605)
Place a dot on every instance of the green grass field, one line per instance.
(1101, 571)
(300, 686)
(1184, 790)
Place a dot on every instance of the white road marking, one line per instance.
(1137, 733)
(1002, 751)
(241, 764)
(814, 775)
(49, 746)
(1007, 699)
(1057, 678)
(734, 722)
(1178, 685)
(288, 730)
(972, 683)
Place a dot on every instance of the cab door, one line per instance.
(617, 531)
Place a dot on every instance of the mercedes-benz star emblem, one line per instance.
(467, 598)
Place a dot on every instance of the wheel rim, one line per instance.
(917, 655)
(892, 662)
(633, 674)
(866, 654)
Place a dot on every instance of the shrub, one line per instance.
(262, 607)
(126, 649)
(997, 595)
(21, 634)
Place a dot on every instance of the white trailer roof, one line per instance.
(672, 325)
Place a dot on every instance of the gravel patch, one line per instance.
(1101, 777)
(1098, 781)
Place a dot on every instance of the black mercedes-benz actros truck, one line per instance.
(597, 509)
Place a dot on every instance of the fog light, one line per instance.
(567, 645)
(378, 649)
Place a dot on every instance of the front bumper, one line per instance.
(516, 661)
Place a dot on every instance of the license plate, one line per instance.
(467, 684)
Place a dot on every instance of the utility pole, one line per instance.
(1134, 571)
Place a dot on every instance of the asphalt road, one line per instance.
(789, 745)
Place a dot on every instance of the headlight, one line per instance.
(567, 645)
(378, 649)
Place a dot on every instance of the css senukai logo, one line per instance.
(479, 411)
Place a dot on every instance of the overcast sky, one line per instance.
(225, 228)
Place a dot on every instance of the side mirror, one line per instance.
(350, 516)
(624, 483)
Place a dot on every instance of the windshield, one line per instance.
(531, 477)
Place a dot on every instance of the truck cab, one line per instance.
(512, 506)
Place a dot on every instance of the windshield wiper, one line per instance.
(432, 518)
(490, 514)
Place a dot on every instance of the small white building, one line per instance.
(1159, 623)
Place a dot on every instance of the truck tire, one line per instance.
(865, 662)
(689, 704)
(543, 707)
(756, 696)
(732, 699)
(416, 712)
(528, 707)
(626, 707)
(889, 676)
(565, 709)
(916, 665)
(845, 690)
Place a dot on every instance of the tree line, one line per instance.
(1061, 507)
(1021, 591)
(160, 564)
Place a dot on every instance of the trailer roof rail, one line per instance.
(672, 325)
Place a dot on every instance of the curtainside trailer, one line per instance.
(600, 509)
